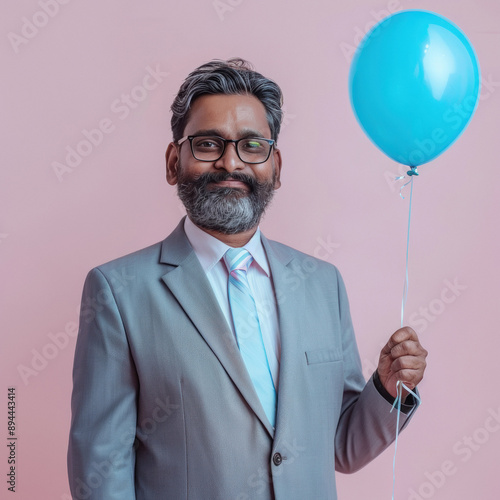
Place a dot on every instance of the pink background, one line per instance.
(337, 193)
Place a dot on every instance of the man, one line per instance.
(218, 364)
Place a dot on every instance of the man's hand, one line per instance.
(402, 358)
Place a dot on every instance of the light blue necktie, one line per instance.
(247, 328)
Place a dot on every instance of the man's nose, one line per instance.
(230, 160)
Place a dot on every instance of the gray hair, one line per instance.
(232, 77)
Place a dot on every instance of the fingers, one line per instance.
(407, 348)
(402, 358)
(409, 370)
(403, 334)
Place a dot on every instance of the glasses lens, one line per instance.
(253, 150)
(207, 148)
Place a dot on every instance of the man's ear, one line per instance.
(277, 168)
(172, 161)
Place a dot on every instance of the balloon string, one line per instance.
(397, 403)
(405, 288)
(400, 385)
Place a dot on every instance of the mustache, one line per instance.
(206, 178)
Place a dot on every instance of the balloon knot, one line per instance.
(413, 171)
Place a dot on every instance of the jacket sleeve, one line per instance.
(366, 425)
(101, 455)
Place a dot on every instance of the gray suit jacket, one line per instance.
(162, 404)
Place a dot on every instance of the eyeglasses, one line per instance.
(211, 148)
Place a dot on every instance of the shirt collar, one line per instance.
(210, 250)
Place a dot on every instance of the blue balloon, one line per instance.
(414, 85)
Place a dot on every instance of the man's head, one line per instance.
(225, 186)
(232, 77)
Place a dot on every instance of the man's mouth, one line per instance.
(231, 183)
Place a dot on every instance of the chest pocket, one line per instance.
(324, 356)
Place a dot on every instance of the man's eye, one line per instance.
(252, 144)
(207, 144)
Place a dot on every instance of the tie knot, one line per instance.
(238, 259)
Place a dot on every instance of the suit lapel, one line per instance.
(188, 283)
(290, 296)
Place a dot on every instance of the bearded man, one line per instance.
(220, 368)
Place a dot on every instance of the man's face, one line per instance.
(226, 195)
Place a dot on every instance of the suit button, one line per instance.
(277, 459)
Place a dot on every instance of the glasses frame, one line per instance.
(271, 143)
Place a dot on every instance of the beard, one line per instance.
(224, 209)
